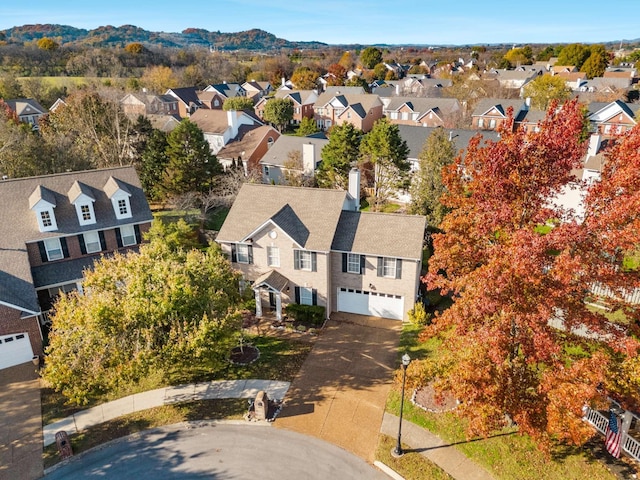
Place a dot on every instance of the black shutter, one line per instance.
(297, 294)
(43, 252)
(234, 255)
(398, 268)
(363, 264)
(314, 262)
(119, 238)
(296, 260)
(314, 296)
(380, 267)
(83, 246)
(136, 229)
(344, 262)
(250, 252)
(103, 242)
(65, 249)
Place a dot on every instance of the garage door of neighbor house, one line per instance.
(365, 302)
(15, 349)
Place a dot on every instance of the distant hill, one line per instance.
(109, 36)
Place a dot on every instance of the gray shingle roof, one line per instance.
(318, 210)
(417, 136)
(380, 234)
(19, 226)
(272, 278)
(278, 154)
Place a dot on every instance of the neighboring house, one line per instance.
(312, 246)
(57, 104)
(303, 101)
(28, 110)
(53, 228)
(166, 123)
(491, 113)
(220, 127)
(609, 119)
(285, 150)
(606, 84)
(215, 95)
(361, 110)
(420, 111)
(134, 104)
(256, 90)
(248, 148)
(513, 79)
(416, 138)
(188, 100)
(573, 80)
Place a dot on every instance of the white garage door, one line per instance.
(15, 349)
(365, 302)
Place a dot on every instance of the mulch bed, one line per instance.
(244, 355)
(426, 398)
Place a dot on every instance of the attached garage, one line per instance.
(364, 302)
(15, 349)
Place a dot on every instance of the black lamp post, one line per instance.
(406, 360)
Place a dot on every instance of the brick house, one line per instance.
(54, 227)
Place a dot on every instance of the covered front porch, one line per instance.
(269, 290)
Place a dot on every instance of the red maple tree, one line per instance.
(520, 340)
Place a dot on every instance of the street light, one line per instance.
(406, 360)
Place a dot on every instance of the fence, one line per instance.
(632, 296)
(630, 445)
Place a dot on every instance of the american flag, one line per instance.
(613, 436)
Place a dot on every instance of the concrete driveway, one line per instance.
(340, 392)
(20, 423)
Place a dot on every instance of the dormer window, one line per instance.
(120, 196)
(42, 201)
(81, 196)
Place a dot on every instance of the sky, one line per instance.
(395, 22)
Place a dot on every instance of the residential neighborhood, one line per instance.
(327, 238)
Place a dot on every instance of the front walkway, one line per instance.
(163, 396)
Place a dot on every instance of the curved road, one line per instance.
(222, 451)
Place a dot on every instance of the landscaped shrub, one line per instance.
(418, 315)
(305, 313)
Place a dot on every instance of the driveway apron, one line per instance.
(20, 423)
(339, 395)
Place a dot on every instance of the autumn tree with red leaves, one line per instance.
(519, 341)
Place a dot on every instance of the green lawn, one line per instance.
(411, 465)
(506, 454)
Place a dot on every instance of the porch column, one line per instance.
(278, 306)
(626, 423)
(258, 302)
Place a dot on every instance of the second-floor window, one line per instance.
(53, 248)
(305, 260)
(128, 235)
(92, 242)
(242, 253)
(273, 256)
(353, 263)
(389, 267)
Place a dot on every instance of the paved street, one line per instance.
(245, 451)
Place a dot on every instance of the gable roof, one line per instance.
(19, 226)
(278, 154)
(247, 141)
(416, 137)
(380, 234)
(294, 209)
(187, 95)
(301, 97)
(25, 106)
(501, 105)
(422, 104)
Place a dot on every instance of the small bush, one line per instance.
(301, 328)
(418, 315)
(305, 313)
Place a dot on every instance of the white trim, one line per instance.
(259, 228)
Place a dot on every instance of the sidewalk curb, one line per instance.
(388, 470)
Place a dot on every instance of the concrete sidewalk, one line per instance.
(163, 396)
(446, 456)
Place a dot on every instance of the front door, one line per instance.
(272, 300)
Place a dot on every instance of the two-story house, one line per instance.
(301, 155)
(303, 101)
(420, 111)
(361, 110)
(221, 127)
(314, 247)
(609, 119)
(491, 113)
(53, 228)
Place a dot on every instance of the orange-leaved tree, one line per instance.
(520, 341)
